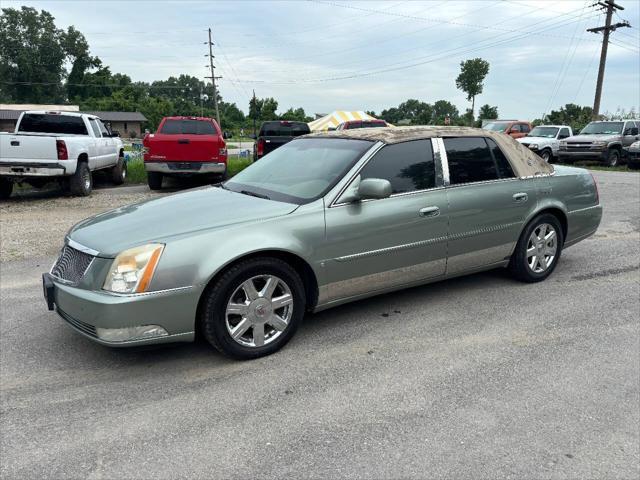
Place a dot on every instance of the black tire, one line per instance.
(154, 179)
(215, 298)
(119, 172)
(613, 158)
(6, 187)
(81, 182)
(519, 264)
(546, 155)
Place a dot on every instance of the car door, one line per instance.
(629, 134)
(487, 203)
(373, 245)
(109, 150)
(562, 134)
(96, 149)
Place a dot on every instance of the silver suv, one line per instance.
(601, 141)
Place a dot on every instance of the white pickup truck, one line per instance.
(63, 146)
(545, 140)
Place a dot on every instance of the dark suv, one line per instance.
(275, 134)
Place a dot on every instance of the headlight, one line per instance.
(533, 146)
(132, 270)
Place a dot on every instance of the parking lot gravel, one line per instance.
(476, 377)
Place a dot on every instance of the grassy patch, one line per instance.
(136, 172)
(237, 164)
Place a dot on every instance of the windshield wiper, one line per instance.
(254, 194)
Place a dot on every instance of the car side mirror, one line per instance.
(375, 188)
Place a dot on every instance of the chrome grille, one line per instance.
(71, 265)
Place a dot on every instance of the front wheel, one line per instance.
(538, 250)
(81, 182)
(254, 308)
(119, 172)
(546, 155)
(6, 187)
(613, 159)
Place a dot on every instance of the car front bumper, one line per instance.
(91, 313)
(582, 155)
(174, 168)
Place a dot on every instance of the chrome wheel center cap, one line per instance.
(261, 309)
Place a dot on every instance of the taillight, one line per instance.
(61, 148)
(222, 152)
(595, 184)
(260, 147)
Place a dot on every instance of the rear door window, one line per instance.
(52, 123)
(471, 160)
(409, 166)
(188, 127)
(524, 128)
(95, 127)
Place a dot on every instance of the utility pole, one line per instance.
(610, 6)
(255, 112)
(213, 78)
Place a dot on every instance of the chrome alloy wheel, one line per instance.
(259, 311)
(542, 248)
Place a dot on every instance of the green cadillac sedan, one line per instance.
(326, 219)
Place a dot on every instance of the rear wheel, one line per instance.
(254, 308)
(154, 179)
(119, 172)
(613, 158)
(81, 182)
(538, 250)
(6, 187)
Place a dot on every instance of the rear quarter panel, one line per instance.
(573, 190)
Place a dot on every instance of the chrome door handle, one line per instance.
(429, 212)
(520, 197)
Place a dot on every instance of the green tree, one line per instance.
(571, 114)
(443, 109)
(488, 112)
(471, 78)
(33, 54)
(263, 109)
(296, 115)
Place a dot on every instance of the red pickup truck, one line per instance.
(184, 146)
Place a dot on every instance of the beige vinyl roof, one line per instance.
(525, 163)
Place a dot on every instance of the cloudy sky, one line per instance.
(325, 55)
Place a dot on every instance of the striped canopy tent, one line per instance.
(334, 119)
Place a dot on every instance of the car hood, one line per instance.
(528, 140)
(159, 219)
(592, 138)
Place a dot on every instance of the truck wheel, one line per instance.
(613, 159)
(253, 309)
(6, 187)
(81, 182)
(119, 172)
(154, 179)
(546, 155)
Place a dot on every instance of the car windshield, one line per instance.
(603, 128)
(546, 132)
(301, 170)
(496, 126)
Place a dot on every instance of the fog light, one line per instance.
(141, 332)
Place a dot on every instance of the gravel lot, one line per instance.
(477, 377)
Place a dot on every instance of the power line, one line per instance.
(213, 78)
